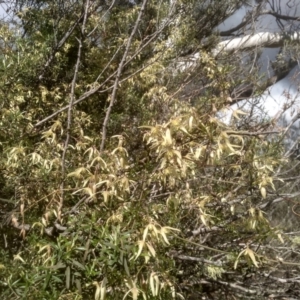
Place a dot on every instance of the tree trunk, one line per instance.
(261, 39)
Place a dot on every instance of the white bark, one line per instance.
(258, 40)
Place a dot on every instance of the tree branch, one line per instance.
(72, 98)
(279, 16)
(238, 287)
(198, 259)
(119, 72)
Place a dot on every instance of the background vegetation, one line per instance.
(118, 178)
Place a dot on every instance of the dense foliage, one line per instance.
(118, 178)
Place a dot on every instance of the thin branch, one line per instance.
(282, 197)
(252, 133)
(283, 280)
(104, 15)
(198, 259)
(251, 16)
(234, 29)
(295, 118)
(119, 72)
(245, 91)
(74, 208)
(238, 287)
(72, 98)
(200, 245)
(279, 16)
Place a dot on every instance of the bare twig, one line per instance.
(238, 287)
(252, 133)
(72, 98)
(103, 16)
(198, 259)
(280, 16)
(283, 280)
(119, 72)
(282, 197)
